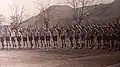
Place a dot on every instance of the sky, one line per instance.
(29, 5)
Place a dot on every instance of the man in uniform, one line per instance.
(30, 37)
(24, 36)
(116, 39)
(99, 37)
(7, 37)
(77, 36)
(71, 35)
(48, 35)
(13, 38)
(82, 37)
(96, 34)
(109, 37)
(88, 35)
(2, 38)
(42, 38)
(92, 37)
(63, 32)
(105, 38)
(36, 38)
(19, 35)
(55, 37)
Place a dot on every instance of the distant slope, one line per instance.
(62, 14)
(106, 11)
(59, 15)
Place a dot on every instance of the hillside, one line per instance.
(62, 14)
(58, 14)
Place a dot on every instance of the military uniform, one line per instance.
(19, 35)
(88, 37)
(48, 34)
(2, 38)
(36, 38)
(24, 36)
(7, 37)
(30, 37)
(55, 37)
(83, 35)
(13, 38)
(71, 35)
(99, 38)
(42, 37)
(63, 33)
(93, 36)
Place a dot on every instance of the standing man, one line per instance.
(71, 35)
(8, 38)
(93, 37)
(116, 39)
(36, 38)
(48, 34)
(83, 35)
(88, 34)
(24, 36)
(13, 38)
(111, 31)
(2, 38)
(42, 38)
(19, 35)
(105, 37)
(63, 32)
(30, 37)
(99, 37)
(77, 37)
(55, 37)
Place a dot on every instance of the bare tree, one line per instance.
(79, 8)
(43, 8)
(17, 14)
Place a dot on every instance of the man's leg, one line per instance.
(31, 44)
(41, 43)
(23, 44)
(26, 43)
(44, 43)
(14, 44)
(19, 44)
(71, 41)
(9, 44)
(2, 44)
(62, 43)
(54, 44)
(65, 44)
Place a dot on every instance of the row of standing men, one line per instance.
(87, 36)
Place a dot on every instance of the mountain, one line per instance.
(59, 14)
(106, 11)
(63, 14)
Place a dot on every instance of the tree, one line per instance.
(17, 14)
(79, 8)
(43, 8)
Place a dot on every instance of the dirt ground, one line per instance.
(58, 58)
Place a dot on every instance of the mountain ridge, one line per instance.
(63, 14)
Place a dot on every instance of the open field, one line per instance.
(58, 58)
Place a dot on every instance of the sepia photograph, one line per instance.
(59, 33)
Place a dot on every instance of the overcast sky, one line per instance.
(29, 5)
